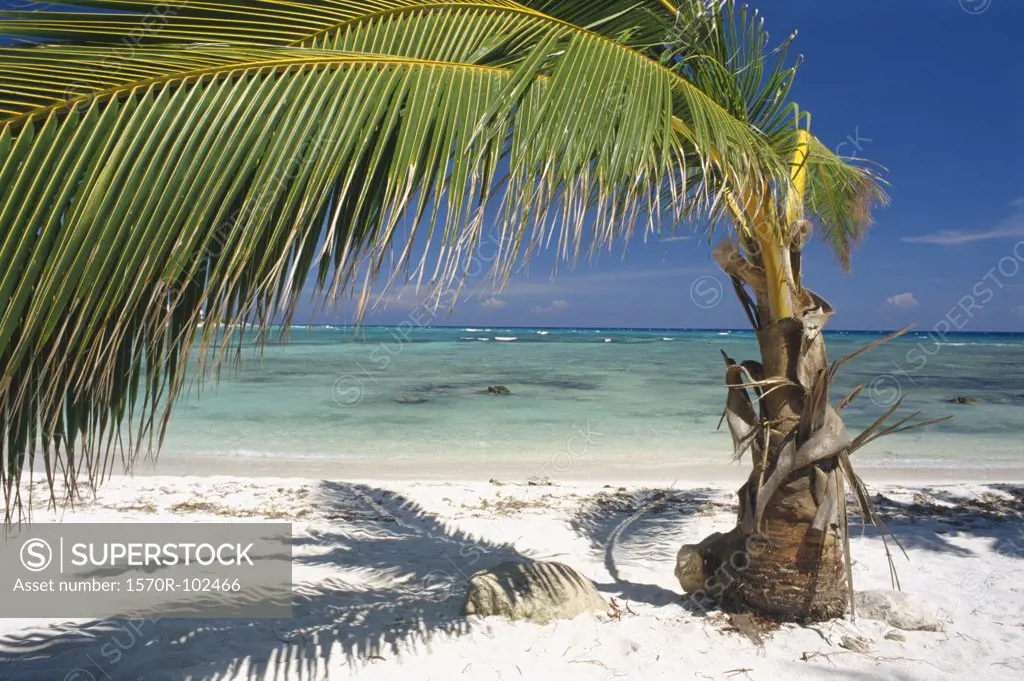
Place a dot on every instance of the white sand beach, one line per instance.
(381, 569)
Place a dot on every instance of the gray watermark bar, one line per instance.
(153, 570)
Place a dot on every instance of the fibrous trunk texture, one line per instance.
(785, 559)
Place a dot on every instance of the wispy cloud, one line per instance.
(493, 303)
(1008, 227)
(680, 237)
(902, 300)
(555, 306)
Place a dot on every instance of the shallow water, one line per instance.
(644, 396)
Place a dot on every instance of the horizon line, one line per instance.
(623, 328)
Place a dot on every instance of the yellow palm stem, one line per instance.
(758, 209)
(798, 176)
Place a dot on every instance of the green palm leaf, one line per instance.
(726, 52)
(840, 196)
(218, 179)
(145, 187)
(132, 23)
(729, 55)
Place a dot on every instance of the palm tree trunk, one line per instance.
(798, 572)
(785, 558)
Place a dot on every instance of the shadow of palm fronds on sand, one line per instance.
(379, 575)
(638, 531)
(930, 519)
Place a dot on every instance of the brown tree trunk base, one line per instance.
(787, 572)
(786, 559)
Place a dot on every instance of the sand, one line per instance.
(380, 570)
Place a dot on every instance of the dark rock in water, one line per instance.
(960, 399)
(411, 399)
(437, 388)
(498, 390)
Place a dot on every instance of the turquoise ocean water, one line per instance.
(645, 396)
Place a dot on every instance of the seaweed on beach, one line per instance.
(1000, 503)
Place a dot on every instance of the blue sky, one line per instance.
(931, 89)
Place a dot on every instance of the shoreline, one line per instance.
(560, 471)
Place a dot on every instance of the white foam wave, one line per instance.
(984, 344)
(259, 454)
(505, 338)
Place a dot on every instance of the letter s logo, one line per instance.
(36, 555)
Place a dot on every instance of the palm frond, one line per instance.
(494, 32)
(62, 77)
(840, 196)
(728, 54)
(218, 179)
(491, 32)
(240, 149)
(724, 49)
(134, 23)
(131, 24)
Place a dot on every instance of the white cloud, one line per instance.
(493, 303)
(902, 300)
(680, 237)
(556, 306)
(1009, 227)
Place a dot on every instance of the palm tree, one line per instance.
(163, 164)
(788, 556)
